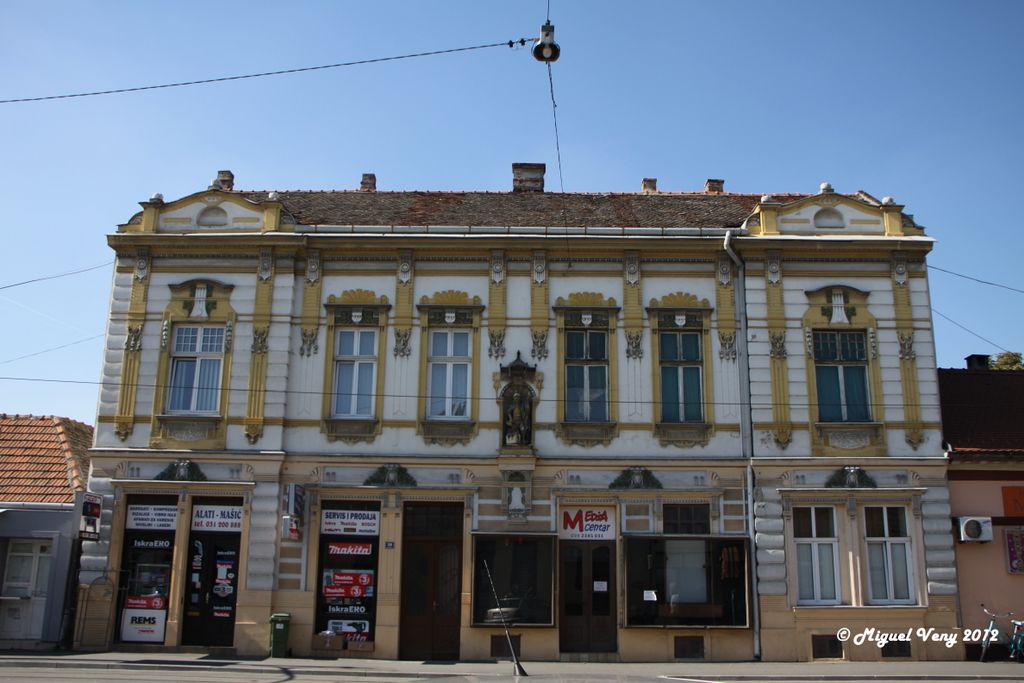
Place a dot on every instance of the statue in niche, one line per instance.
(518, 419)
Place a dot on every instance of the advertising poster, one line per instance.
(89, 518)
(1015, 551)
(143, 625)
(348, 583)
(587, 524)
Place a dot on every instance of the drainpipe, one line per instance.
(746, 426)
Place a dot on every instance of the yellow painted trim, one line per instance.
(178, 220)
(241, 219)
(865, 221)
(796, 221)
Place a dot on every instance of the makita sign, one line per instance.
(347, 549)
(585, 523)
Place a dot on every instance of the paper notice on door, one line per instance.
(650, 596)
(600, 586)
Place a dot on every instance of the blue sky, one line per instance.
(918, 100)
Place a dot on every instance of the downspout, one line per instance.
(746, 427)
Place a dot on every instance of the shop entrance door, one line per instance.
(431, 602)
(25, 580)
(211, 589)
(587, 604)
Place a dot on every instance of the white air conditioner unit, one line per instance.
(974, 529)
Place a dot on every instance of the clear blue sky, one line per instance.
(920, 100)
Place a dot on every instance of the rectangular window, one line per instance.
(687, 518)
(197, 356)
(586, 376)
(686, 582)
(522, 568)
(448, 374)
(817, 552)
(840, 367)
(355, 372)
(889, 560)
(680, 359)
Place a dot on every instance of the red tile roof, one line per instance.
(981, 411)
(42, 459)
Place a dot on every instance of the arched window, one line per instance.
(212, 217)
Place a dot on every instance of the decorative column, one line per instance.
(782, 429)
(310, 326)
(913, 429)
(124, 420)
(539, 307)
(260, 346)
(632, 321)
(497, 298)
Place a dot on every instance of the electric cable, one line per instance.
(969, 331)
(54, 348)
(984, 282)
(54, 277)
(281, 72)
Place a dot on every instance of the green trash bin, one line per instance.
(279, 634)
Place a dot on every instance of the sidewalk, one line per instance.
(494, 670)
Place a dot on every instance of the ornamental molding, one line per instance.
(265, 269)
(404, 266)
(634, 347)
(540, 268)
(496, 343)
(403, 339)
(540, 344)
(632, 268)
(260, 339)
(585, 300)
(142, 264)
(899, 269)
(133, 341)
(312, 266)
(725, 271)
(450, 297)
(357, 297)
(636, 478)
(181, 470)
(773, 267)
(906, 345)
(777, 342)
(727, 345)
(309, 346)
(498, 267)
(391, 475)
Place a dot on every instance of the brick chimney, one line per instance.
(226, 180)
(528, 177)
(977, 361)
(368, 183)
(649, 185)
(714, 186)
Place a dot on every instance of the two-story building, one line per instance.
(635, 426)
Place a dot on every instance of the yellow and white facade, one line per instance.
(362, 409)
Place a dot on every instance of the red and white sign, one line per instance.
(587, 524)
(349, 549)
(152, 517)
(143, 625)
(145, 601)
(217, 518)
(350, 522)
(352, 583)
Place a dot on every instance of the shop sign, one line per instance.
(152, 543)
(145, 602)
(152, 517)
(351, 630)
(143, 625)
(587, 523)
(350, 522)
(89, 516)
(349, 549)
(217, 518)
(1014, 551)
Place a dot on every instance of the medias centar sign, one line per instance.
(586, 523)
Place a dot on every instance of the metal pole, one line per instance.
(518, 670)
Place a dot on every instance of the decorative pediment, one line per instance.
(209, 211)
(680, 300)
(837, 304)
(585, 300)
(390, 475)
(636, 478)
(201, 298)
(357, 297)
(181, 470)
(850, 477)
(450, 297)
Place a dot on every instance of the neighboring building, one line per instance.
(43, 463)
(981, 421)
(358, 407)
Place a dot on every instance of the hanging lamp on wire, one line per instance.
(546, 49)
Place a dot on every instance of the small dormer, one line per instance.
(828, 213)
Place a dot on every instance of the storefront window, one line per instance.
(150, 522)
(522, 570)
(686, 581)
(347, 577)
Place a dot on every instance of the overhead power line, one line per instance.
(974, 279)
(54, 277)
(281, 72)
(53, 348)
(968, 330)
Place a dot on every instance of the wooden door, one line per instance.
(431, 601)
(587, 621)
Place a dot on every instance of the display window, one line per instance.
(687, 581)
(148, 547)
(521, 568)
(347, 569)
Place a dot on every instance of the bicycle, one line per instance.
(1015, 643)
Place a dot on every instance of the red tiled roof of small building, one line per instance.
(981, 411)
(42, 459)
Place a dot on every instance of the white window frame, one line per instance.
(890, 545)
(815, 543)
(586, 362)
(198, 355)
(450, 362)
(358, 361)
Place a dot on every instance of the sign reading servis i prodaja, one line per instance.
(586, 523)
